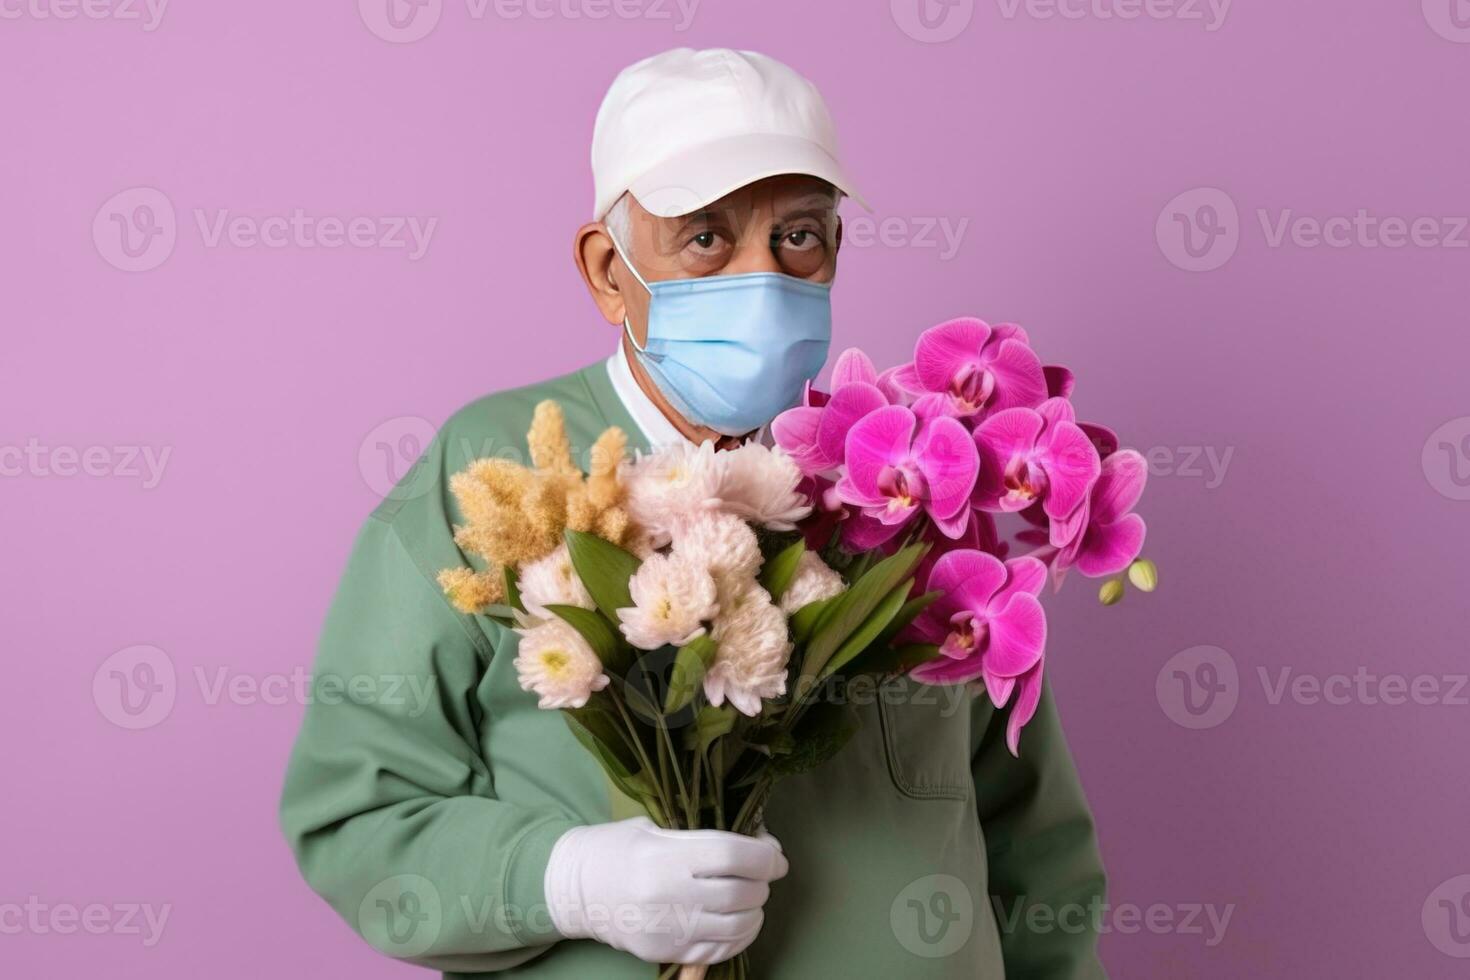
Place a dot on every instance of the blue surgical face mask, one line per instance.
(733, 352)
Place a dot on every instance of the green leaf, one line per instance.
(871, 628)
(690, 663)
(597, 730)
(710, 723)
(512, 589)
(779, 570)
(600, 733)
(804, 620)
(907, 615)
(599, 634)
(604, 569)
(850, 610)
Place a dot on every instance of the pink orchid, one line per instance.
(1037, 456)
(988, 624)
(897, 469)
(1112, 535)
(814, 433)
(966, 367)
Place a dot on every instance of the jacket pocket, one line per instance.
(926, 738)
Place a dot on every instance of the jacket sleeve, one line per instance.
(1047, 884)
(389, 805)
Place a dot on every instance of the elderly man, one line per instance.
(473, 834)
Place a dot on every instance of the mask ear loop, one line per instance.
(628, 327)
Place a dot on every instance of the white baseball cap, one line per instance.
(685, 128)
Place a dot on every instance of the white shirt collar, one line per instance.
(656, 427)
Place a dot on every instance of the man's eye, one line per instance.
(705, 239)
(804, 239)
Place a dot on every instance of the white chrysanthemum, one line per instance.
(752, 652)
(722, 543)
(759, 484)
(813, 582)
(670, 486)
(552, 581)
(555, 662)
(672, 597)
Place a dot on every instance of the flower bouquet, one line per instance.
(684, 609)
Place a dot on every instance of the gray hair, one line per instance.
(619, 221)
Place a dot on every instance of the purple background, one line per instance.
(1332, 543)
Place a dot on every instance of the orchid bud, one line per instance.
(1144, 574)
(1111, 592)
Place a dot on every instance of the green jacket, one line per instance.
(426, 789)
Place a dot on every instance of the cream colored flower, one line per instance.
(813, 582)
(752, 652)
(552, 581)
(672, 597)
(670, 486)
(722, 543)
(759, 483)
(555, 662)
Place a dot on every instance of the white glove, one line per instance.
(666, 896)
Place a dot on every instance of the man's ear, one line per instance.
(593, 251)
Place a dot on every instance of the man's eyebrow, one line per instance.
(823, 212)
